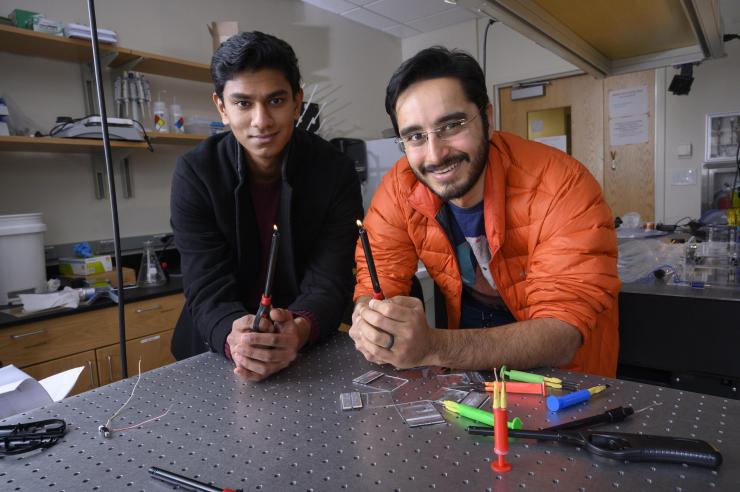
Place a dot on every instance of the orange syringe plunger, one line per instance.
(521, 388)
(500, 430)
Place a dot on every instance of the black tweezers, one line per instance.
(621, 446)
(21, 438)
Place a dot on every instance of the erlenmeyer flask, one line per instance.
(150, 271)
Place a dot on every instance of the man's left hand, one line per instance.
(403, 318)
(263, 354)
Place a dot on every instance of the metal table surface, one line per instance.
(289, 433)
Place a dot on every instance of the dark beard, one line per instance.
(451, 192)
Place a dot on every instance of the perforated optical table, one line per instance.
(289, 433)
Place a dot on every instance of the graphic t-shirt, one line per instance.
(474, 255)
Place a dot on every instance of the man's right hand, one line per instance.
(240, 343)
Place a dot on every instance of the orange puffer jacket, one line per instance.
(551, 234)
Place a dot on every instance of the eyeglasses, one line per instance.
(417, 140)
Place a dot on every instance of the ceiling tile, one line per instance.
(369, 18)
(361, 2)
(405, 10)
(401, 31)
(336, 6)
(442, 19)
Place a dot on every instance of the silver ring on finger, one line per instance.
(391, 341)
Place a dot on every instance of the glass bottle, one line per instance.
(150, 271)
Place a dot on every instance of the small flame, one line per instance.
(274, 227)
(359, 223)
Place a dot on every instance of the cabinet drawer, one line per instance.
(33, 343)
(154, 351)
(153, 316)
(88, 377)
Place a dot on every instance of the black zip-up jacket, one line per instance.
(215, 231)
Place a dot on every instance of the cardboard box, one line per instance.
(22, 18)
(85, 266)
(106, 278)
(48, 26)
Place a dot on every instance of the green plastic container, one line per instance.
(22, 18)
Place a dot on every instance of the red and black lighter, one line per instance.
(377, 292)
(263, 311)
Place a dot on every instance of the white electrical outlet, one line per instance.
(684, 177)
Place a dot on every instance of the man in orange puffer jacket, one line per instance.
(516, 235)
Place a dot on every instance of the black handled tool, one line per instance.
(617, 414)
(185, 483)
(640, 447)
(614, 415)
(263, 311)
(29, 436)
(629, 447)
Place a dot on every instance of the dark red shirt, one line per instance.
(266, 203)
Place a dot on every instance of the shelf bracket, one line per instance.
(88, 81)
(131, 64)
(127, 182)
(125, 179)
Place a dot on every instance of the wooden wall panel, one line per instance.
(584, 95)
(631, 186)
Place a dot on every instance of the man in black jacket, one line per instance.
(229, 192)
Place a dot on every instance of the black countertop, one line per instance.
(173, 286)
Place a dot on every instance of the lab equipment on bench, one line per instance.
(178, 122)
(133, 97)
(714, 262)
(618, 445)
(83, 32)
(90, 127)
(150, 271)
(161, 116)
(22, 259)
(633, 447)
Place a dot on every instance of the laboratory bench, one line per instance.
(291, 433)
(680, 336)
(131, 294)
(672, 336)
(49, 342)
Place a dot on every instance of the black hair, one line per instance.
(437, 62)
(252, 51)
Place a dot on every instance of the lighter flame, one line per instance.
(359, 223)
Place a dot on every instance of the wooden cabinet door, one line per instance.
(153, 315)
(154, 351)
(42, 341)
(88, 377)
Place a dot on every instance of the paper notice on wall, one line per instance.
(560, 142)
(628, 116)
(628, 102)
(536, 126)
(628, 130)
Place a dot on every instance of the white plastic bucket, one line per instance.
(22, 259)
